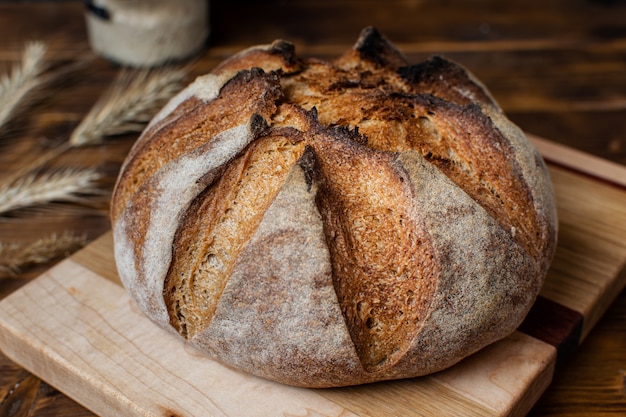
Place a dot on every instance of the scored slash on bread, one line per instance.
(334, 223)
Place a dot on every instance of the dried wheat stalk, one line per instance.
(133, 99)
(17, 88)
(65, 184)
(127, 107)
(16, 256)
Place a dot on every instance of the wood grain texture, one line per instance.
(557, 67)
(593, 381)
(590, 165)
(563, 330)
(592, 254)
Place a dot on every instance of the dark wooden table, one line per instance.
(558, 68)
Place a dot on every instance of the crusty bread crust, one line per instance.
(334, 223)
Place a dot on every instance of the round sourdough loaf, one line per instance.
(334, 223)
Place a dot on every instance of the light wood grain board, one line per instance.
(76, 328)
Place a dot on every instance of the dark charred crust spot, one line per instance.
(445, 79)
(343, 84)
(286, 50)
(247, 75)
(258, 125)
(307, 163)
(374, 47)
(345, 133)
(338, 132)
(312, 114)
(426, 71)
(432, 103)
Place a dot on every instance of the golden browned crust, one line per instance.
(224, 217)
(334, 223)
(192, 124)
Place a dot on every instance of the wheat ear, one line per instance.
(17, 87)
(64, 184)
(16, 256)
(128, 105)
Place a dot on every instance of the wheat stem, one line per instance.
(66, 184)
(17, 87)
(16, 256)
(133, 99)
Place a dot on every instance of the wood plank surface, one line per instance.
(557, 67)
(591, 246)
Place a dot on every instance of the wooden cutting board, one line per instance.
(76, 328)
